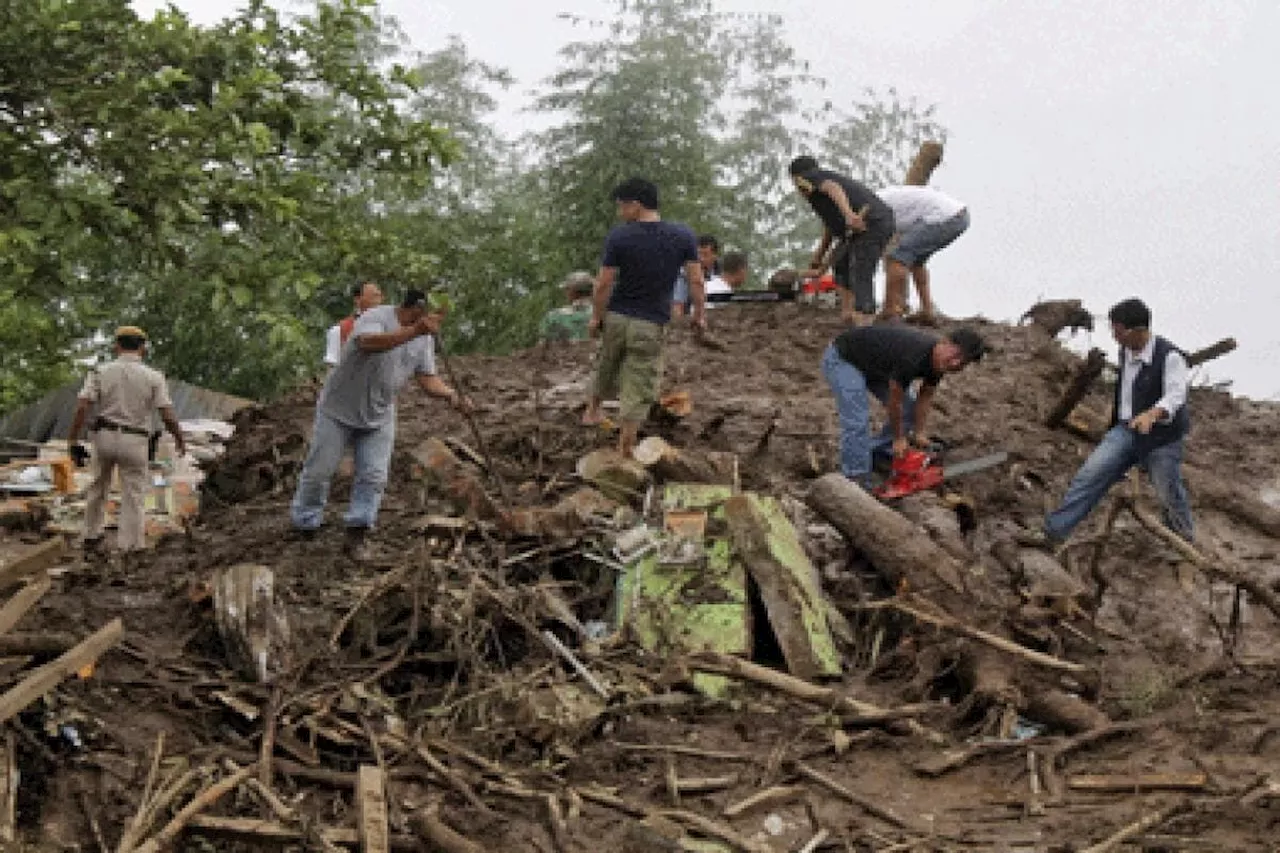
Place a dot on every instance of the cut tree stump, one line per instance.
(44, 679)
(253, 625)
(617, 478)
(926, 160)
(677, 465)
(1078, 388)
(43, 556)
(767, 544)
(371, 800)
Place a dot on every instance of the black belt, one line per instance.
(103, 423)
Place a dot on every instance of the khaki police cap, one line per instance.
(130, 332)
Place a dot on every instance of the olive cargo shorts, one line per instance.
(629, 365)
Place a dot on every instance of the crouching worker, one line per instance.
(1149, 421)
(884, 361)
(357, 408)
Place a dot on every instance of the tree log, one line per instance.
(680, 465)
(1079, 387)
(460, 482)
(927, 159)
(1209, 353)
(1058, 314)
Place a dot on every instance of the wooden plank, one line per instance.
(48, 553)
(371, 798)
(8, 790)
(768, 546)
(1128, 783)
(44, 679)
(271, 831)
(15, 608)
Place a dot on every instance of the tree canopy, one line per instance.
(224, 186)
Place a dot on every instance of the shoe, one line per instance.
(356, 544)
(1038, 539)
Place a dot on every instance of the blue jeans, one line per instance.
(1110, 461)
(852, 392)
(328, 443)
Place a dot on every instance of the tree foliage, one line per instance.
(223, 186)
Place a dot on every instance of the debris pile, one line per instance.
(714, 646)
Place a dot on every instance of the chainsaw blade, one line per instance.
(951, 470)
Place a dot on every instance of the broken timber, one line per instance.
(926, 160)
(1138, 782)
(1080, 384)
(44, 679)
(23, 600)
(371, 799)
(766, 542)
(253, 625)
(1209, 353)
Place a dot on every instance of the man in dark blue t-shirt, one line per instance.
(632, 302)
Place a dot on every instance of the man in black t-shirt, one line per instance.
(884, 361)
(838, 200)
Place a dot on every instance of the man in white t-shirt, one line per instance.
(927, 222)
(364, 295)
(733, 274)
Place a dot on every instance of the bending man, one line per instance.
(928, 221)
(884, 361)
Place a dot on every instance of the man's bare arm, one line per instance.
(77, 422)
(175, 429)
(924, 404)
(836, 193)
(697, 290)
(894, 409)
(600, 295)
(436, 387)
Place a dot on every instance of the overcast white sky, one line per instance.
(1105, 148)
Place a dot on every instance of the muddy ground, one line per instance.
(454, 661)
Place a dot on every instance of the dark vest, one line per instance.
(1148, 388)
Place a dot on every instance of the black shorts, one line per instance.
(854, 267)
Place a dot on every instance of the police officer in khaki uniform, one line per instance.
(126, 393)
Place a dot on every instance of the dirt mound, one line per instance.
(432, 661)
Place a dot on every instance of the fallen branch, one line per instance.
(207, 798)
(1209, 353)
(1055, 753)
(1001, 643)
(1138, 827)
(1250, 584)
(371, 805)
(553, 642)
(870, 807)
(36, 559)
(23, 600)
(715, 829)
(767, 797)
(1125, 783)
(690, 751)
(428, 825)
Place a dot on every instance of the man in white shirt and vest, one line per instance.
(1148, 425)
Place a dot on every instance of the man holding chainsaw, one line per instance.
(1149, 421)
(389, 345)
(863, 224)
(884, 361)
(126, 393)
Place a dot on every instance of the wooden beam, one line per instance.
(371, 802)
(15, 608)
(1130, 783)
(48, 553)
(44, 679)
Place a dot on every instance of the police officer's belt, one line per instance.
(103, 423)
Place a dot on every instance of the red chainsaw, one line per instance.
(919, 471)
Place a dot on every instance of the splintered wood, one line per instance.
(371, 802)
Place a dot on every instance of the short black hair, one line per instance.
(638, 189)
(709, 240)
(414, 299)
(358, 288)
(130, 343)
(971, 344)
(803, 163)
(733, 262)
(1131, 313)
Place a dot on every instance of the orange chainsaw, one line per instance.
(919, 471)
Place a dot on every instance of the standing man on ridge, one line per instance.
(632, 304)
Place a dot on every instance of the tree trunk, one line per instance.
(1209, 353)
(1079, 387)
(1058, 314)
(927, 159)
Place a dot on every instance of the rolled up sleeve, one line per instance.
(1177, 377)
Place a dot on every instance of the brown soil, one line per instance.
(451, 652)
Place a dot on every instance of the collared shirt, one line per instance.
(127, 391)
(361, 392)
(1176, 379)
